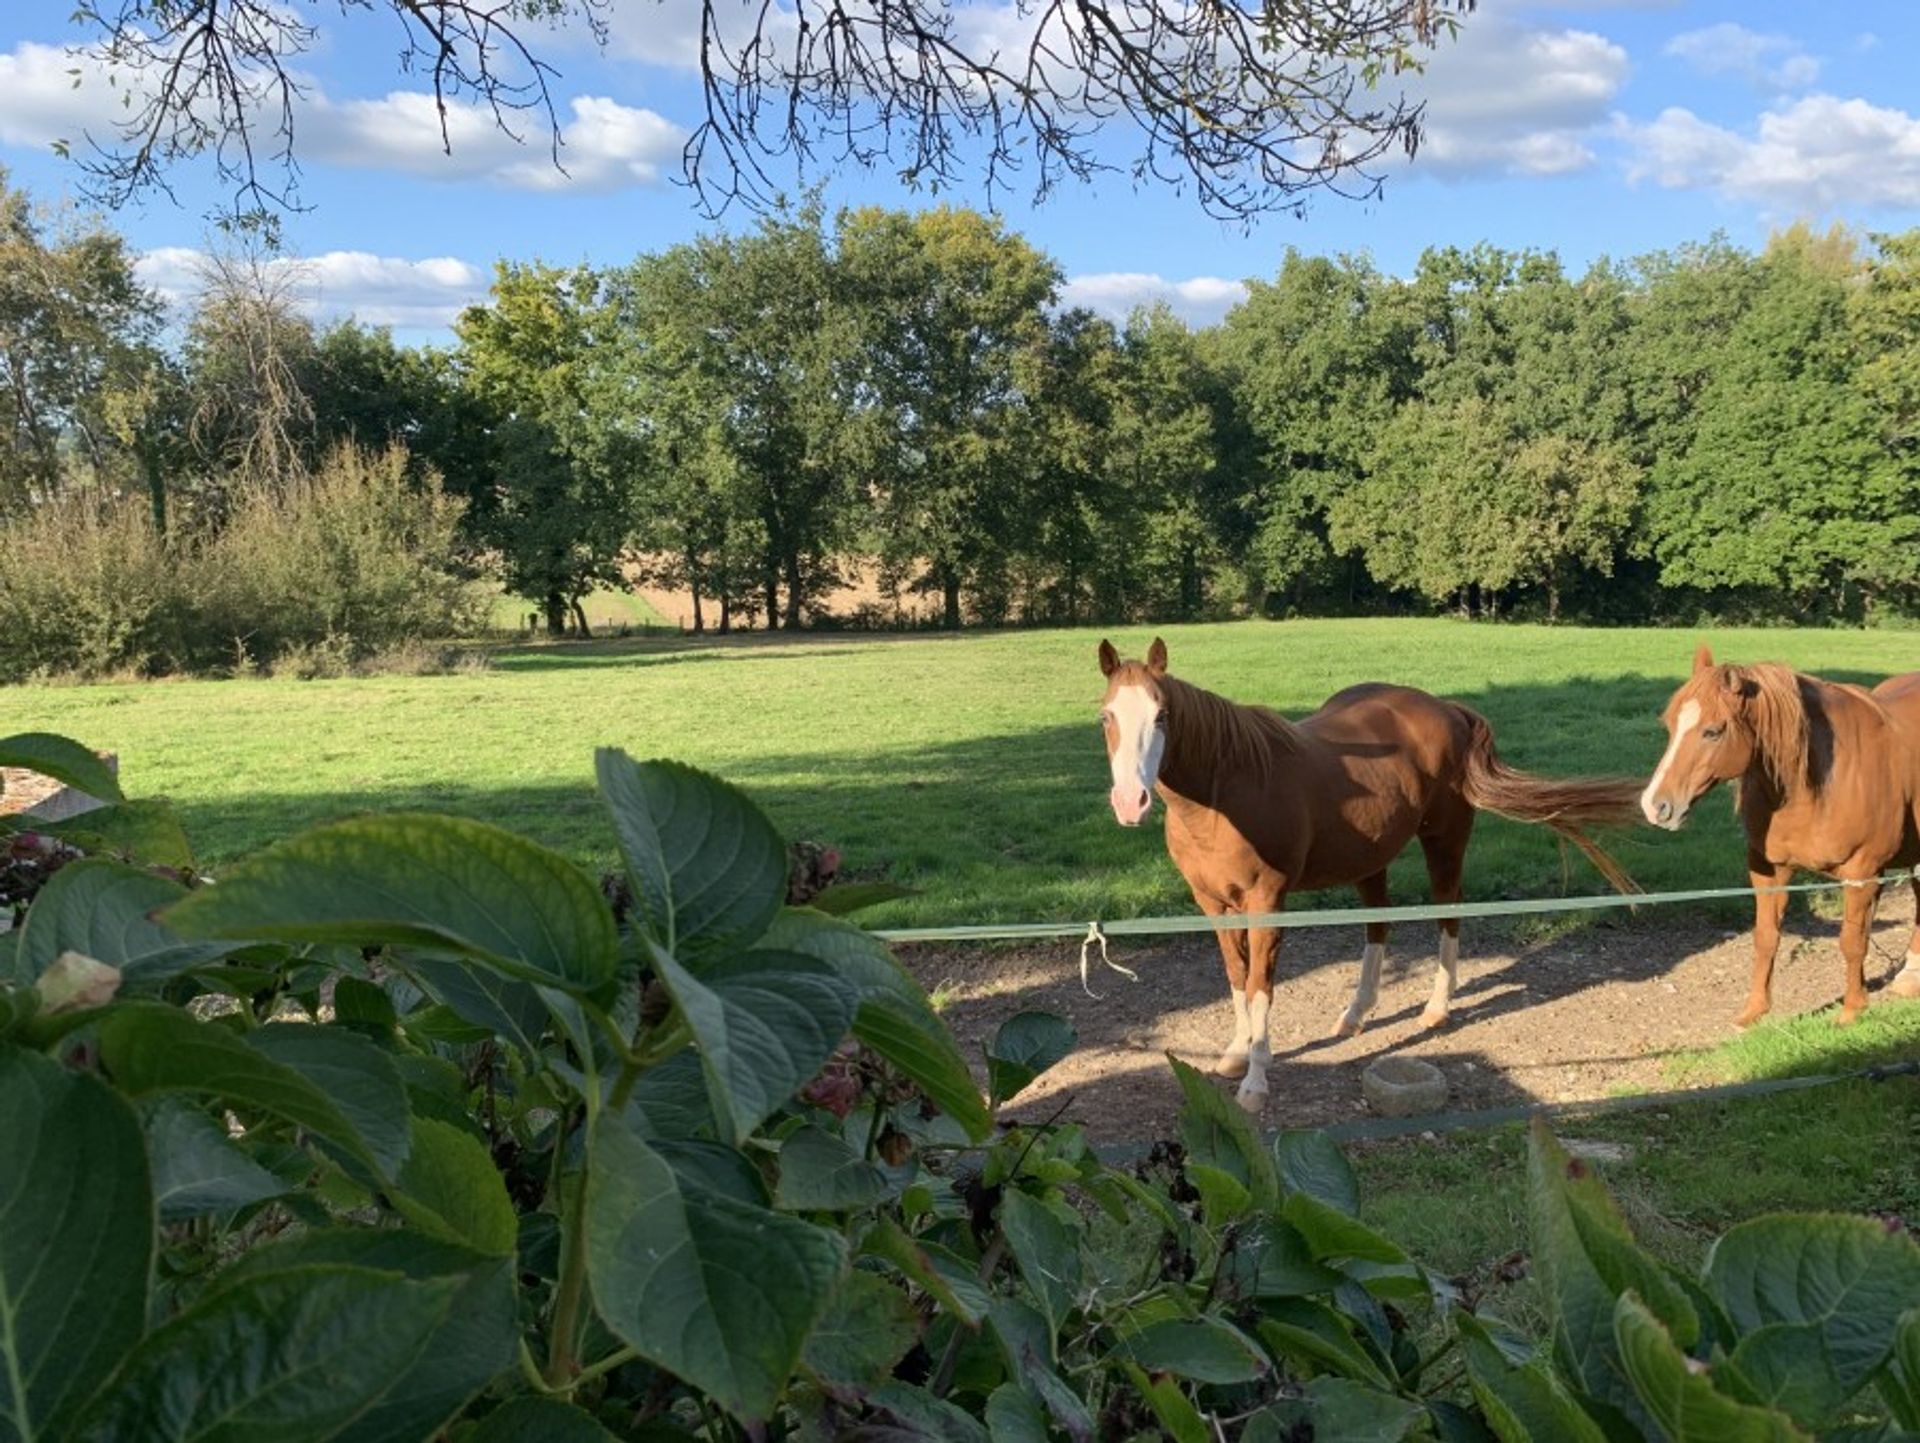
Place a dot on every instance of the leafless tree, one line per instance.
(1252, 105)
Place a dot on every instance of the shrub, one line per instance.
(86, 587)
(304, 578)
(721, 1173)
(352, 559)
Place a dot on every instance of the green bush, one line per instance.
(520, 1171)
(353, 559)
(306, 577)
(86, 588)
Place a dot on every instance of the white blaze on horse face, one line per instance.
(1139, 745)
(1650, 800)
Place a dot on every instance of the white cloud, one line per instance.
(1199, 301)
(1772, 62)
(605, 145)
(1816, 153)
(375, 290)
(1512, 99)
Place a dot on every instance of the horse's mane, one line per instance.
(1775, 714)
(1249, 736)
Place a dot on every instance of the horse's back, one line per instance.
(1376, 712)
(1900, 695)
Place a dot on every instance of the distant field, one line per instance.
(969, 767)
(607, 611)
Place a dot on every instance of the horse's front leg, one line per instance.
(1769, 909)
(1233, 952)
(1263, 951)
(1856, 928)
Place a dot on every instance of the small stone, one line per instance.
(1592, 1151)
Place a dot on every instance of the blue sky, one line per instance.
(1588, 128)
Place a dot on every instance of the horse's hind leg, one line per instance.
(1446, 860)
(1366, 992)
(1856, 927)
(1906, 982)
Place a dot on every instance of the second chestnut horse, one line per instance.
(1829, 782)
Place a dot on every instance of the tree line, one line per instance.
(749, 416)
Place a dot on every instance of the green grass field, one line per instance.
(969, 767)
(607, 611)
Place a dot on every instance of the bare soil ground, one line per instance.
(1576, 1018)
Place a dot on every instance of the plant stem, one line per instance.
(573, 1277)
(605, 1365)
(949, 1360)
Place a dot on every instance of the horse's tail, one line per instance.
(1568, 805)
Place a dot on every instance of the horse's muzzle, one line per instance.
(1662, 813)
(1130, 805)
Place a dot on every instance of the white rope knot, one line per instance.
(1094, 934)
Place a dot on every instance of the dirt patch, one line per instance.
(1572, 1019)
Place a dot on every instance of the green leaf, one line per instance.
(1047, 1252)
(765, 1022)
(1271, 1259)
(365, 1003)
(1026, 1045)
(103, 910)
(361, 1081)
(819, 1172)
(1899, 1384)
(1217, 1134)
(868, 1327)
(1013, 1417)
(1680, 1394)
(540, 1420)
(1586, 1260)
(63, 760)
(76, 1242)
(844, 898)
(1026, 1342)
(1786, 1366)
(146, 831)
(1312, 1335)
(196, 1167)
(472, 1347)
(1333, 1234)
(150, 1048)
(445, 883)
(1180, 1420)
(1205, 1349)
(512, 1011)
(721, 1293)
(672, 1100)
(1523, 1402)
(895, 1019)
(1312, 1163)
(709, 872)
(451, 1189)
(1336, 1410)
(943, 1274)
(294, 1356)
(1846, 1281)
(919, 1414)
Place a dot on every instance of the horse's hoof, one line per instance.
(1253, 1102)
(1349, 1026)
(1907, 984)
(1232, 1066)
(1847, 1016)
(1431, 1019)
(1747, 1018)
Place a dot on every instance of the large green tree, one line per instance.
(953, 309)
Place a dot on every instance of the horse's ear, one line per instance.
(1109, 659)
(1157, 657)
(1702, 659)
(1739, 683)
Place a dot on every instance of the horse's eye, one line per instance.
(1160, 718)
(1713, 734)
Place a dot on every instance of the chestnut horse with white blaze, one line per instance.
(1829, 782)
(1259, 806)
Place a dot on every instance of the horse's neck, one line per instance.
(1204, 762)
